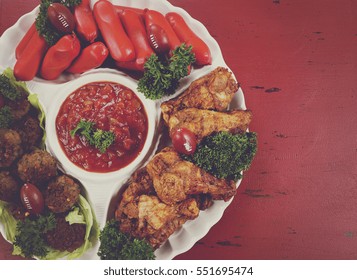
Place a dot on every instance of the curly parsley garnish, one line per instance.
(98, 138)
(161, 77)
(225, 155)
(6, 117)
(30, 235)
(8, 89)
(115, 245)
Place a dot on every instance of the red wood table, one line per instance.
(297, 64)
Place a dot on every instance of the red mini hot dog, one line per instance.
(91, 57)
(154, 17)
(120, 46)
(86, 26)
(135, 29)
(24, 41)
(120, 9)
(186, 35)
(60, 56)
(28, 64)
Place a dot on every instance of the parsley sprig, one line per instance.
(115, 245)
(30, 235)
(225, 155)
(161, 77)
(98, 138)
(8, 89)
(6, 117)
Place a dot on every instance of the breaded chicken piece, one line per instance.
(175, 179)
(205, 122)
(213, 91)
(142, 214)
(169, 221)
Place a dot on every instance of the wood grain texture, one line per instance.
(296, 62)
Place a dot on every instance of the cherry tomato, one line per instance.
(184, 141)
(61, 18)
(154, 17)
(158, 39)
(32, 199)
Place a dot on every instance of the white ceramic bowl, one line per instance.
(53, 143)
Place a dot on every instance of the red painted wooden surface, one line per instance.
(297, 64)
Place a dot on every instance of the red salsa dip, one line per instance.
(111, 107)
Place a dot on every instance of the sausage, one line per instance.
(86, 26)
(60, 56)
(120, 9)
(28, 64)
(120, 46)
(183, 31)
(24, 41)
(91, 57)
(154, 17)
(134, 26)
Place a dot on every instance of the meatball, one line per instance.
(30, 131)
(65, 236)
(61, 194)
(9, 187)
(38, 167)
(10, 147)
(18, 211)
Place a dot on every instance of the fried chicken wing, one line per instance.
(142, 214)
(140, 183)
(168, 191)
(155, 213)
(175, 179)
(213, 91)
(205, 122)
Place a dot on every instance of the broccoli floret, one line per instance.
(115, 245)
(225, 155)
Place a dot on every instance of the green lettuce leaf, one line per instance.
(82, 214)
(8, 221)
(35, 102)
(8, 72)
(32, 98)
(75, 217)
(91, 236)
